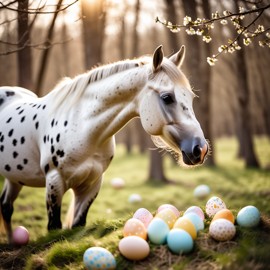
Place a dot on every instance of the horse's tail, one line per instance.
(70, 212)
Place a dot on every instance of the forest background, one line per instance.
(44, 41)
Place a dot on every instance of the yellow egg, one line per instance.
(226, 214)
(185, 224)
(135, 227)
(168, 216)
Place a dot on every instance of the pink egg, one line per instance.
(197, 210)
(20, 236)
(170, 206)
(144, 216)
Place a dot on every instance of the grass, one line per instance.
(236, 185)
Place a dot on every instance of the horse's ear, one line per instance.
(179, 57)
(157, 58)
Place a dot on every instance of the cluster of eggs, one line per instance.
(222, 226)
(166, 227)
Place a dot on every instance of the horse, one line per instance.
(65, 139)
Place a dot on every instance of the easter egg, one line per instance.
(168, 216)
(170, 206)
(98, 258)
(179, 241)
(134, 226)
(157, 231)
(226, 214)
(197, 210)
(196, 220)
(144, 216)
(248, 216)
(117, 183)
(134, 248)
(213, 205)
(20, 236)
(186, 225)
(222, 229)
(134, 198)
(201, 191)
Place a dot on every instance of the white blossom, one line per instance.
(207, 39)
(211, 60)
(224, 22)
(187, 20)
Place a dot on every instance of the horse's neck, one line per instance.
(112, 102)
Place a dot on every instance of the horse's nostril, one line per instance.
(197, 151)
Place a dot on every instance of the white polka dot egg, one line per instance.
(213, 205)
(95, 258)
(222, 229)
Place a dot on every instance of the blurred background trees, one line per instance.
(43, 41)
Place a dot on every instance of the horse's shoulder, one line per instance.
(8, 94)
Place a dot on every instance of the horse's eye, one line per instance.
(167, 99)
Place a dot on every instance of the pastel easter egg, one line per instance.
(134, 248)
(144, 215)
(196, 220)
(170, 206)
(157, 231)
(197, 210)
(117, 183)
(20, 236)
(226, 214)
(222, 229)
(185, 224)
(134, 198)
(134, 226)
(95, 258)
(213, 205)
(168, 216)
(179, 241)
(201, 191)
(248, 216)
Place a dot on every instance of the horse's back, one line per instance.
(9, 94)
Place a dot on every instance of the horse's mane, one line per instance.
(75, 87)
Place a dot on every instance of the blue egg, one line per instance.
(157, 231)
(179, 241)
(95, 258)
(196, 220)
(248, 216)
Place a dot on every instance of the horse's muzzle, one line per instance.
(194, 151)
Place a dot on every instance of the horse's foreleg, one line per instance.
(83, 200)
(9, 194)
(55, 190)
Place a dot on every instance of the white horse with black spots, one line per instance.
(65, 140)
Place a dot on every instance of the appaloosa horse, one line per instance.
(65, 140)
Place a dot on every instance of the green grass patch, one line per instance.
(230, 180)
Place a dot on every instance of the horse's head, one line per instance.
(166, 109)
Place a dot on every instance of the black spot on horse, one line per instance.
(14, 142)
(1, 101)
(39, 106)
(52, 123)
(58, 137)
(36, 125)
(21, 111)
(20, 167)
(65, 123)
(34, 105)
(51, 140)
(46, 168)
(60, 153)
(52, 149)
(25, 161)
(7, 168)
(55, 161)
(15, 154)
(34, 117)
(10, 93)
(2, 148)
(44, 106)
(2, 138)
(10, 133)
(44, 139)
(18, 108)
(22, 140)
(22, 119)
(48, 137)
(9, 119)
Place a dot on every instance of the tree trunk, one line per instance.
(94, 17)
(24, 53)
(245, 128)
(135, 38)
(46, 51)
(156, 169)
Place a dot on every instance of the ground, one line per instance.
(237, 186)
